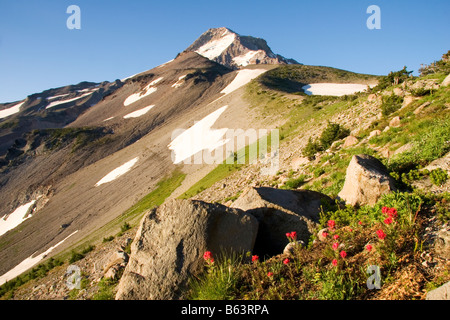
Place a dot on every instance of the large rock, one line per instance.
(446, 81)
(441, 293)
(169, 245)
(279, 212)
(395, 122)
(366, 180)
(442, 244)
(350, 141)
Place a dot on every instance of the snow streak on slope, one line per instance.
(242, 78)
(138, 113)
(214, 48)
(10, 111)
(179, 82)
(333, 89)
(149, 89)
(244, 59)
(29, 263)
(15, 218)
(118, 172)
(56, 103)
(198, 137)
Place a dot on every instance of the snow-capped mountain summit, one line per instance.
(228, 48)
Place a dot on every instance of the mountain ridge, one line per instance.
(235, 51)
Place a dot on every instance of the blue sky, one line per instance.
(120, 38)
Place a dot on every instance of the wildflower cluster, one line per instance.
(291, 235)
(207, 256)
(336, 245)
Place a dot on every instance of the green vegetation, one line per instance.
(331, 133)
(294, 183)
(106, 289)
(438, 176)
(390, 104)
(108, 239)
(385, 235)
(393, 78)
(442, 66)
(291, 78)
(38, 272)
(80, 137)
(234, 163)
(164, 188)
(75, 256)
(219, 281)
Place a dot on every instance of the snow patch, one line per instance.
(244, 60)
(242, 78)
(56, 103)
(333, 89)
(213, 49)
(15, 218)
(10, 111)
(149, 89)
(155, 81)
(138, 113)
(113, 175)
(199, 137)
(110, 118)
(29, 263)
(179, 82)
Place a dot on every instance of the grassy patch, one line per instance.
(38, 272)
(228, 167)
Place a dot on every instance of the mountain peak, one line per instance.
(233, 50)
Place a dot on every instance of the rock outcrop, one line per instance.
(228, 48)
(441, 293)
(446, 81)
(279, 212)
(170, 243)
(366, 180)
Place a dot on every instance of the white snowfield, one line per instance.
(29, 263)
(198, 137)
(214, 48)
(244, 60)
(15, 218)
(333, 89)
(138, 113)
(113, 175)
(179, 83)
(110, 118)
(242, 78)
(57, 103)
(11, 110)
(149, 89)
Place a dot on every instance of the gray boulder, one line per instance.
(441, 293)
(366, 180)
(170, 242)
(446, 81)
(442, 244)
(279, 212)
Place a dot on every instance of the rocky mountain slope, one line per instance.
(235, 51)
(82, 186)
